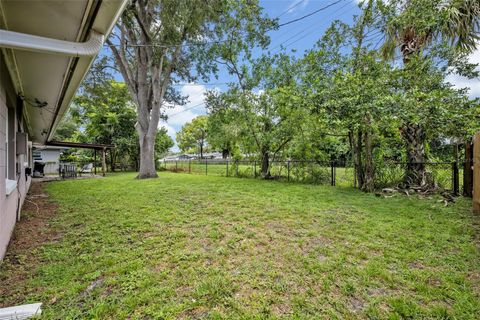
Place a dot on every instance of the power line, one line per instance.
(185, 110)
(200, 84)
(378, 43)
(291, 29)
(310, 14)
(308, 27)
(221, 41)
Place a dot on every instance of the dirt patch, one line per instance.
(92, 286)
(416, 265)
(377, 292)
(31, 232)
(195, 313)
(356, 305)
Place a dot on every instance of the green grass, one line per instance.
(193, 246)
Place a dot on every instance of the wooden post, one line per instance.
(104, 162)
(226, 175)
(468, 170)
(476, 173)
(455, 179)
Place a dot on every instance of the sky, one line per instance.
(298, 36)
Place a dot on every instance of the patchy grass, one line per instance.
(191, 246)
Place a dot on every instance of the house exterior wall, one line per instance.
(14, 170)
(51, 158)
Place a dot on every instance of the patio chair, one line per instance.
(88, 168)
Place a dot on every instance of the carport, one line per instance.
(94, 146)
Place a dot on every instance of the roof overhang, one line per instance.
(51, 46)
(81, 145)
(37, 146)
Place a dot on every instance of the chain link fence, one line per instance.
(441, 175)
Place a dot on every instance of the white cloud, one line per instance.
(297, 5)
(472, 84)
(170, 130)
(179, 115)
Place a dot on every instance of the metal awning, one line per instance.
(81, 145)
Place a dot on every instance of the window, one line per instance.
(37, 155)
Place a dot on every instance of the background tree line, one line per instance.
(347, 100)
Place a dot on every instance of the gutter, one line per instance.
(28, 42)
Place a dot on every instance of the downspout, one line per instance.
(28, 42)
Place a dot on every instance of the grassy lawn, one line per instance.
(193, 246)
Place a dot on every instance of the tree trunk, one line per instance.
(225, 153)
(147, 159)
(147, 72)
(351, 140)
(104, 162)
(358, 161)
(414, 137)
(368, 179)
(112, 160)
(265, 169)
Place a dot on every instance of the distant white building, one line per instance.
(49, 155)
(213, 155)
(179, 157)
(185, 156)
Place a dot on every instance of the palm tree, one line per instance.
(414, 25)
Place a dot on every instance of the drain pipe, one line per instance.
(28, 42)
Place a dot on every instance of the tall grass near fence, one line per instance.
(442, 175)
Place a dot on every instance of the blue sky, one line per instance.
(298, 36)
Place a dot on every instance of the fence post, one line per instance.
(255, 169)
(331, 174)
(455, 178)
(189, 165)
(206, 167)
(288, 170)
(236, 168)
(226, 175)
(476, 173)
(176, 166)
